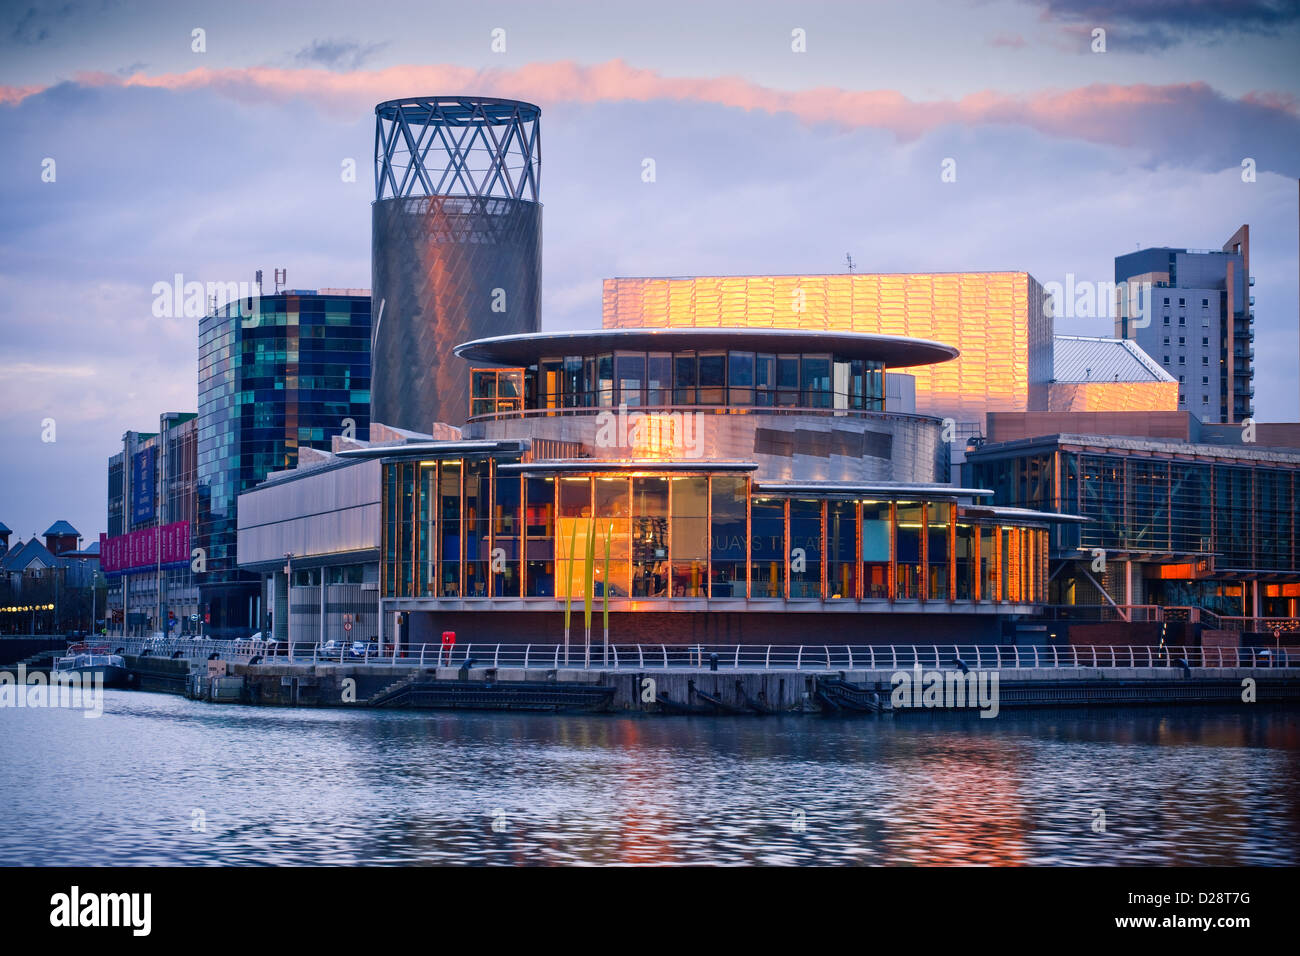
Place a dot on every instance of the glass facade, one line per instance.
(1242, 513)
(478, 528)
(287, 371)
(658, 379)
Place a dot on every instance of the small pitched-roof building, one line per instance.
(61, 537)
(1096, 374)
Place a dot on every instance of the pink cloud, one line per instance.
(1101, 113)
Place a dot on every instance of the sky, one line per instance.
(784, 135)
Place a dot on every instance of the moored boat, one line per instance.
(82, 659)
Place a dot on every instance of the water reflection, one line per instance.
(1192, 786)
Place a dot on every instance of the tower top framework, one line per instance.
(457, 146)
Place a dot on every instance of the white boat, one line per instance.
(82, 659)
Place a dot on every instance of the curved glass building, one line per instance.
(456, 229)
(739, 480)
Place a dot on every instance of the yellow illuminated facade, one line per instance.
(1112, 397)
(996, 320)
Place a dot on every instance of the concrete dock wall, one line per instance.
(699, 690)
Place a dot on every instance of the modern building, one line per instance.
(1107, 375)
(277, 373)
(152, 511)
(456, 245)
(1198, 324)
(996, 320)
(741, 480)
(1173, 522)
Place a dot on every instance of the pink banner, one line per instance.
(142, 549)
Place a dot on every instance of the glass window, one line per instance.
(477, 523)
(690, 536)
(936, 554)
(965, 559)
(988, 578)
(505, 535)
(713, 378)
(908, 536)
(659, 379)
(449, 527)
(684, 379)
(765, 380)
(875, 550)
(539, 526)
(740, 378)
(483, 391)
(630, 372)
(650, 537)
(605, 381)
(767, 548)
(805, 548)
(613, 526)
(572, 527)
(727, 558)
(577, 388)
(550, 388)
(427, 573)
(816, 377)
(1012, 566)
(841, 550)
(787, 380)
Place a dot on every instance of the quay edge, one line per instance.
(676, 690)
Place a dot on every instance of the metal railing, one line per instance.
(1159, 613)
(818, 657)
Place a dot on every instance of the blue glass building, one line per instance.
(276, 373)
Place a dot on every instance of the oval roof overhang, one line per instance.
(896, 351)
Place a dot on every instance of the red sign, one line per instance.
(148, 547)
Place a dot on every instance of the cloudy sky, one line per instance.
(213, 163)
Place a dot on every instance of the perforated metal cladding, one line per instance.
(439, 266)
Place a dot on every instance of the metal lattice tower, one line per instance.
(456, 246)
(457, 146)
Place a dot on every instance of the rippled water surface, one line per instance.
(160, 779)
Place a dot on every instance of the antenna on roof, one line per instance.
(258, 277)
(281, 279)
(849, 259)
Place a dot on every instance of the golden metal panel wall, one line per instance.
(995, 319)
(1112, 397)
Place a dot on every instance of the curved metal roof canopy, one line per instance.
(896, 351)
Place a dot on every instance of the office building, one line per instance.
(277, 373)
(152, 508)
(1198, 323)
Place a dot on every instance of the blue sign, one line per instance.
(142, 485)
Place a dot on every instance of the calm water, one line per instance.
(330, 786)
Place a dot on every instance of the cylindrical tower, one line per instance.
(456, 246)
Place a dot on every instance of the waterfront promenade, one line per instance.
(703, 679)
